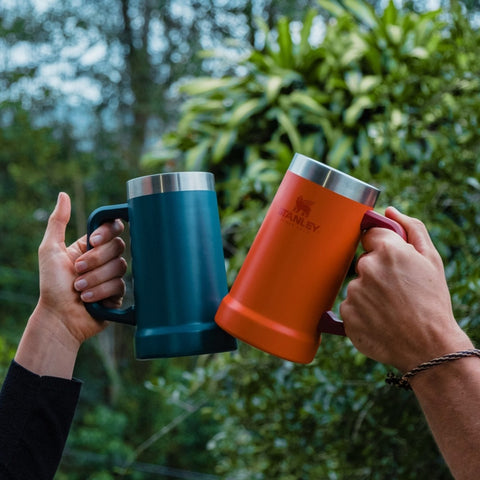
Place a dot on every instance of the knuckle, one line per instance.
(41, 248)
(364, 264)
(352, 289)
(417, 223)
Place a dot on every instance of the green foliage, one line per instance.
(25, 152)
(6, 355)
(392, 97)
(107, 430)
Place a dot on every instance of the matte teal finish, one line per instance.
(178, 270)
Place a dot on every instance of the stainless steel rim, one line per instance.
(334, 180)
(170, 182)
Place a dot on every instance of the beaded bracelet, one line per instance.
(404, 380)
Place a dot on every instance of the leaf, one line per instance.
(195, 158)
(159, 155)
(355, 110)
(390, 14)
(369, 82)
(340, 150)
(419, 52)
(290, 129)
(305, 46)
(184, 126)
(363, 12)
(332, 7)
(358, 84)
(244, 111)
(426, 30)
(309, 142)
(353, 79)
(473, 182)
(285, 43)
(306, 102)
(203, 85)
(223, 145)
(274, 85)
(356, 50)
(328, 130)
(364, 147)
(395, 34)
(397, 119)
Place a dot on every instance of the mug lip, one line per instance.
(170, 182)
(334, 180)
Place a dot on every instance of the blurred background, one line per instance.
(94, 92)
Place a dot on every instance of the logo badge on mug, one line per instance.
(177, 262)
(281, 298)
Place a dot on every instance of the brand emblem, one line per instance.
(298, 215)
(303, 206)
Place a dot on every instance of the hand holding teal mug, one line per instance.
(177, 262)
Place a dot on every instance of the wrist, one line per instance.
(447, 338)
(446, 377)
(47, 347)
(405, 380)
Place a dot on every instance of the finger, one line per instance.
(101, 235)
(113, 269)
(112, 291)
(58, 220)
(113, 302)
(100, 255)
(106, 232)
(360, 258)
(375, 238)
(417, 232)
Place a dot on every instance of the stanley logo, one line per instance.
(303, 206)
(298, 215)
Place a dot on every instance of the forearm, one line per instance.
(47, 348)
(449, 395)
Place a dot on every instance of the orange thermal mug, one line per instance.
(281, 299)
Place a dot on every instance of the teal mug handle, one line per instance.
(329, 322)
(96, 309)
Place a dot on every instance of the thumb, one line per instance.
(417, 233)
(58, 220)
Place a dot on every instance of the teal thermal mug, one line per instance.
(178, 266)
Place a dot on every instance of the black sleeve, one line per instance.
(35, 417)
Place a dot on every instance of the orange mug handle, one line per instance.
(329, 322)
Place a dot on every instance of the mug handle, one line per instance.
(329, 322)
(96, 309)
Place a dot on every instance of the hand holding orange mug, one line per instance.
(281, 298)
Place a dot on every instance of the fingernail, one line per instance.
(81, 266)
(96, 239)
(86, 296)
(117, 226)
(81, 284)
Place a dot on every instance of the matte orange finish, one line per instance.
(294, 270)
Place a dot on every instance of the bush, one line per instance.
(390, 97)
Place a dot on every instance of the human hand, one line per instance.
(398, 310)
(101, 269)
(60, 322)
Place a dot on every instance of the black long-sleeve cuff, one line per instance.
(36, 413)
